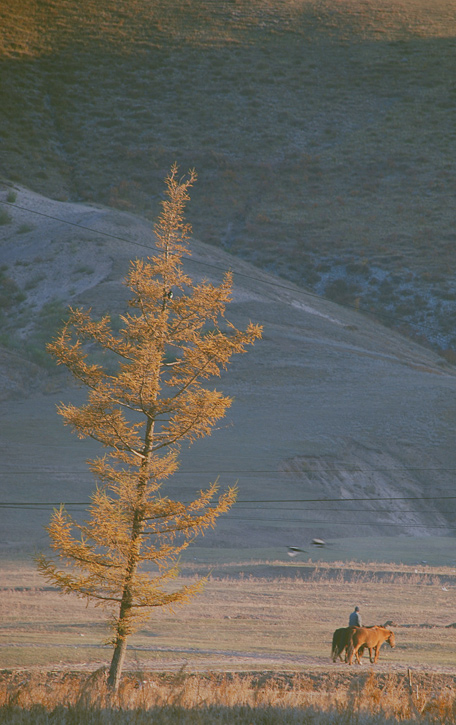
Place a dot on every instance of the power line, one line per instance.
(295, 290)
(402, 524)
(4, 504)
(382, 512)
(81, 506)
(344, 511)
(154, 247)
(235, 472)
(342, 500)
(302, 522)
(30, 504)
(76, 224)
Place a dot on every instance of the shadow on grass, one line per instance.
(212, 715)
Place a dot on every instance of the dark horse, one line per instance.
(342, 638)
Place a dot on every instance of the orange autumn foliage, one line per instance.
(173, 337)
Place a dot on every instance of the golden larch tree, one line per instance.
(173, 337)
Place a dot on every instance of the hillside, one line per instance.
(323, 132)
(329, 406)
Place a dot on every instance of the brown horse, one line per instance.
(341, 642)
(371, 637)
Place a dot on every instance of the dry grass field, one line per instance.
(250, 649)
(203, 699)
(322, 132)
(274, 615)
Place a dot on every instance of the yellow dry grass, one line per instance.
(211, 698)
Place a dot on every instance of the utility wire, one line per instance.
(44, 506)
(154, 247)
(262, 501)
(378, 313)
(76, 224)
(343, 511)
(247, 276)
(342, 500)
(237, 472)
(302, 522)
(345, 523)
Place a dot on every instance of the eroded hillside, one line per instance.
(340, 427)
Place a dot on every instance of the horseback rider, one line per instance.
(355, 618)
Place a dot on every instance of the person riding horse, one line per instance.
(354, 619)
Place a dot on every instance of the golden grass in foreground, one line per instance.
(238, 698)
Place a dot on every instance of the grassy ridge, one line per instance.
(321, 132)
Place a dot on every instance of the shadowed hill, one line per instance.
(322, 132)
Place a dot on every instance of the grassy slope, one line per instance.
(319, 129)
(352, 410)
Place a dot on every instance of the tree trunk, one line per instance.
(120, 646)
(117, 662)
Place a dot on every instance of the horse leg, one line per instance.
(360, 653)
(377, 651)
(354, 650)
(338, 652)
